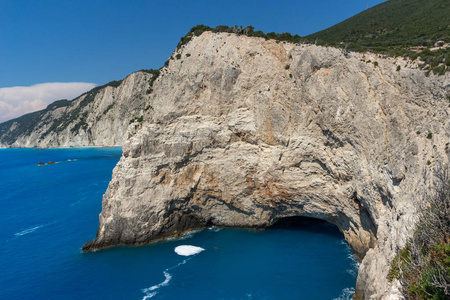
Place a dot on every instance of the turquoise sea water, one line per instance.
(48, 212)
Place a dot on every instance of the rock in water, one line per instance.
(235, 138)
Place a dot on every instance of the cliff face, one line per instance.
(97, 118)
(242, 132)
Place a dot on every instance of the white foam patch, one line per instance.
(354, 266)
(189, 234)
(188, 250)
(214, 229)
(152, 291)
(149, 295)
(347, 294)
(29, 230)
(185, 236)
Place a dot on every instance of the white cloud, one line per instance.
(18, 100)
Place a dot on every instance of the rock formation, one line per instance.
(241, 132)
(97, 118)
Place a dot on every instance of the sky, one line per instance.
(58, 49)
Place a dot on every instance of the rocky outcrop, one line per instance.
(99, 117)
(243, 132)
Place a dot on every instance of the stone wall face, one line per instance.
(101, 122)
(240, 132)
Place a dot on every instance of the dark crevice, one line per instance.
(307, 224)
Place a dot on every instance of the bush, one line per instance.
(423, 265)
(248, 31)
(155, 74)
(137, 119)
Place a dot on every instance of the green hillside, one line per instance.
(394, 23)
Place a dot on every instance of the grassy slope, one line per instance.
(395, 22)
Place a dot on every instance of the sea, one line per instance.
(48, 212)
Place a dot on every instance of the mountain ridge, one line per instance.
(98, 117)
(392, 23)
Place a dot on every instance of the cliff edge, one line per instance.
(99, 117)
(242, 132)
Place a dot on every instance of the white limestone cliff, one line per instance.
(241, 132)
(100, 121)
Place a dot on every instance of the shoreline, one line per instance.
(70, 147)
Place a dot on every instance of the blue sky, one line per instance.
(96, 41)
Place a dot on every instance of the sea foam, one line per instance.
(347, 294)
(354, 265)
(188, 250)
(29, 230)
(184, 250)
(150, 291)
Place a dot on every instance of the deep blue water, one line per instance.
(48, 212)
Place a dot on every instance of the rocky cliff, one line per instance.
(242, 132)
(99, 117)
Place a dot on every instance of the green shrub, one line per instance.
(155, 75)
(447, 60)
(248, 31)
(440, 70)
(108, 108)
(423, 265)
(137, 119)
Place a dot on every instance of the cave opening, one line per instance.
(309, 224)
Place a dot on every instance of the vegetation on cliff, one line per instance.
(397, 27)
(369, 38)
(394, 23)
(26, 124)
(423, 265)
(248, 31)
(390, 28)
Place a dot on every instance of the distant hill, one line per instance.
(99, 117)
(392, 23)
(25, 124)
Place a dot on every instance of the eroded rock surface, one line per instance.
(97, 118)
(243, 132)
